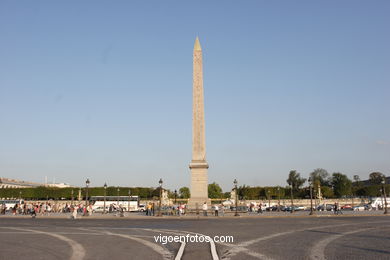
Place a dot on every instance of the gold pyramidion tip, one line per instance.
(197, 45)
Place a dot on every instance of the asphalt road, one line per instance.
(345, 237)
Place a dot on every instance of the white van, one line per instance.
(379, 203)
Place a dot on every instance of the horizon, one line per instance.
(103, 91)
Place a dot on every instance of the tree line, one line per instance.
(336, 185)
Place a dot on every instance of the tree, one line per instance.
(215, 191)
(320, 176)
(342, 186)
(295, 180)
(376, 178)
(184, 193)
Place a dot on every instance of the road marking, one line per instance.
(166, 254)
(242, 247)
(78, 251)
(317, 252)
(181, 251)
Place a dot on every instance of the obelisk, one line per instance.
(198, 165)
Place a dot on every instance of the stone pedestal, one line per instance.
(199, 184)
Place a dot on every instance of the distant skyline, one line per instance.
(103, 90)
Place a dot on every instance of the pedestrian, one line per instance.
(216, 210)
(74, 213)
(204, 208)
(260, 210)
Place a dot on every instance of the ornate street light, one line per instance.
(269, 199)
(105, 194)
(160, 183)
(117, 190)
(128, 203)
(72, 196)
(292, 200)
(235, 189)
(87, 182)
(311, 196)
(384, 193)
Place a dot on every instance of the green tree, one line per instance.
(376, 178)
(320, 176)
(342, 186)
(215, 191)
(184, 193)
(295, 180)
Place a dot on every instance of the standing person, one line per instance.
(335, 208)
(260, 210)
(204, 208)
(74, 213)
(216, 210)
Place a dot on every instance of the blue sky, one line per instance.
(102, 89)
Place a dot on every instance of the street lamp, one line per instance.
(128, 203)
(160, 183)
(235, 189)
(87, 182)
(384, 194)
(175, 196)
(292, 202)
(269, 199)
(311, 197)
(278, 198)
(118, 197)
(72, 195)
(20, 195)
(105, 194)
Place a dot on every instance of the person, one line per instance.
(204, 208)
(33, 213)
(216, 210)
(149, 209)
(74, 213)
(335, 208)
(260, 210)
(222, 210)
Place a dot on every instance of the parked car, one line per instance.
(100, 209)
(359, 208)
(347, 207)
(141, 207)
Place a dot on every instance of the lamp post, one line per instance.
(20, 195)
(311, 197)
(235, 189)
(128, 203)
(269, 199)
(105, 194)
(72, 196)
(160, 183)
(278, 198)
(384, 194)
(87, 182)
(117, 199)
(175, 196)
(292, 200)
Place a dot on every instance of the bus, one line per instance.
(128, 203)
(9, 204)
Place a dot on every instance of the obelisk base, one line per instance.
(199, 185)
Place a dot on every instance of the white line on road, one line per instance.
(317, 252)
(181, 251)
(78, 251)
(165, 253)
(242, 247)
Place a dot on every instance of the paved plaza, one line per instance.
(359, 235)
